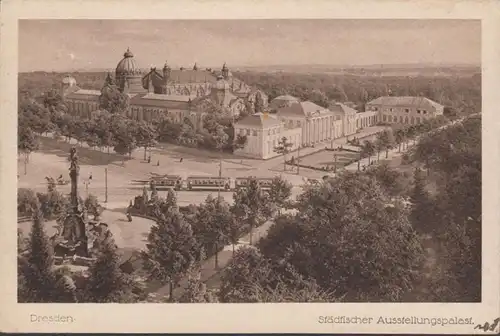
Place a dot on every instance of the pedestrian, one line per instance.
(90, 177)
(181, 159)
(158, 163)
(149, 158)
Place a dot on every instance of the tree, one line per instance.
(92, 205)
(283, 148)
(114, 101)
(384, 141)
(399, 138)
(367, 150)
(280, 192)
(391, 180)
(39, 282)
(145, 136)
(145, 195)
(236, 229)
(124, 140)
(27, 202)
(259, 102)
(250, 277)
(351, 238)
(154, 194)
(26, 144)
(239, 142)
(52, 204)
(196, 291)
(212, 225)
(388, 139)
(171, 249)
(251, 205)
(107, 283)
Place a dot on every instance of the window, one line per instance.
(298, 123)
(407, 110)
(269, 132)
(390, 109)
(384, 117)
(401, 119)
(375, 108)
(418, 111)
(418, 120)
(412, 120)
(424, 111)
(254, 133)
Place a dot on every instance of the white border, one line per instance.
(245, 317)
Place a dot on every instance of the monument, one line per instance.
(72, 239)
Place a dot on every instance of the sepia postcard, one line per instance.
(250, 166)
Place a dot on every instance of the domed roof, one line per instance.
(221, 84)
(69, 80)
(127, 66)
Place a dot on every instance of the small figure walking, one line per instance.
(181, 159)
(158, 163)
(129, 216)
(90, 177)
(149, 158)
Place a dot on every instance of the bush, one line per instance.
(27, 201)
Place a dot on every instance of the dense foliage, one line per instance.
(462, 94)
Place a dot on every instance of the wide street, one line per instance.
(51, 160)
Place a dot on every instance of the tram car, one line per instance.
(264, 182)
(166, 182)
(208, 182)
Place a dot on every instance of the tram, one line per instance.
(166, 182)
(264, 182)
(208, 182)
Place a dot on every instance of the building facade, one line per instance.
(303, 123)
(404, 110)
(264, 132)
(178, 94)
(317, 124)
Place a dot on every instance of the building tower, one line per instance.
(68, 85)
(220, 90)
(128, 75)
(225, 72)
(166, 73)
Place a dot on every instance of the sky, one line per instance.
(64, 45)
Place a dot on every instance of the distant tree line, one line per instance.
(461, 94)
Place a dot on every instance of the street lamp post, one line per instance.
(220, 176)
(334, 163)
(298, 159)
(105, 185)
(87, 182)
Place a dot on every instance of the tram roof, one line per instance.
(207, 177)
